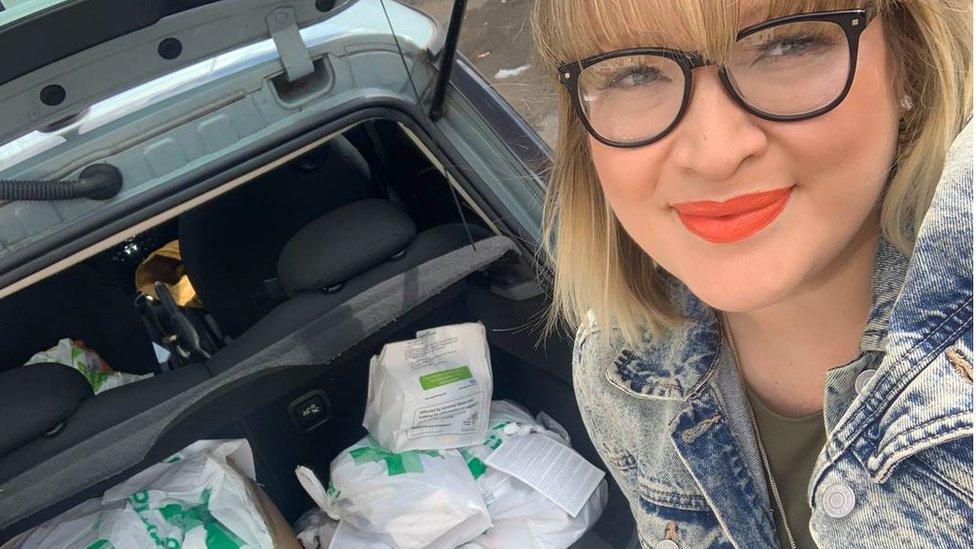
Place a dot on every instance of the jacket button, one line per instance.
(837, 500)
(665, 544)
(863, 378)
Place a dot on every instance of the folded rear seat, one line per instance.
(50, 407)
(338, 256)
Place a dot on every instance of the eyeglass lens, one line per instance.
(785, 70)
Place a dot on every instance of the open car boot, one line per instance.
(321, 214)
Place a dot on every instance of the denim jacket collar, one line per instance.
(671, 367)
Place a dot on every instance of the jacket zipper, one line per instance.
(762, 449)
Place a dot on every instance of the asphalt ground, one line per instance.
(497, 39)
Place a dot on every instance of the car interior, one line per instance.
(265, 259)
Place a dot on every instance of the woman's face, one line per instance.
(823, 175)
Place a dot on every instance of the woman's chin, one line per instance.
(742, 293)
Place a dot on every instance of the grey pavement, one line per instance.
(497, 39)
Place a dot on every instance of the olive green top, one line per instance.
(792, 446)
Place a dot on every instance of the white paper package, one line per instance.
(432, 392)
(522, 516)
(413, 499)
(196, 499)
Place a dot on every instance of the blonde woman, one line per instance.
(763, 230)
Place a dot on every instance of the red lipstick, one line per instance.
(735, 219)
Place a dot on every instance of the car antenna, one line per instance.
(444, 75)
(396, 42)
(440, 91)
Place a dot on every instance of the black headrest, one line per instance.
(35, 398)
(230, 245)
(344, 243)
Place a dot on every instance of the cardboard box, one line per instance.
(281, 532)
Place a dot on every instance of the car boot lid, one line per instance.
(75, 53)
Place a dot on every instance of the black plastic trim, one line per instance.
(293, 411)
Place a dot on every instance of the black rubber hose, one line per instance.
(98, 182)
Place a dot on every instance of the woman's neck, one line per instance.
(786, 349)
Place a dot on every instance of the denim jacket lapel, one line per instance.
(713, 440)
(702, 433)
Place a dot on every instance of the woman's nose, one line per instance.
(716, 134)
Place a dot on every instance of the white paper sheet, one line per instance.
(556, 471)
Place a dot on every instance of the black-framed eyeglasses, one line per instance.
(785, 69)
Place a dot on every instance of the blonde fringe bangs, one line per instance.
(596, 265)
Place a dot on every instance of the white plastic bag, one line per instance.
(412, 499)
(522, 516)
(432, 392)
(100, 375)
(315, 529)
(195, 499)
(320, 531)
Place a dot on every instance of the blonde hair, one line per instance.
(597, 266)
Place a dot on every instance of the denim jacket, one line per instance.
(670, 419)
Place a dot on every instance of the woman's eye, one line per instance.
(634, 77)
(789, 47)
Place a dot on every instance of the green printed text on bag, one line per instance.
(475, 465)
(396, 464)
(444, 377)
(332, 491)
(495, 433)
(186, 519)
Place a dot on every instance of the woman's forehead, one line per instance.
(588, 27)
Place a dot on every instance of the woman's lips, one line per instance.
(735, 219)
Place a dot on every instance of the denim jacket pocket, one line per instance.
(682, 517)
(934, 409)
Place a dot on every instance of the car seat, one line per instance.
(49, 407)
(230, 245)
(338, 256)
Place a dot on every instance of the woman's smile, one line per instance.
(735, 219)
